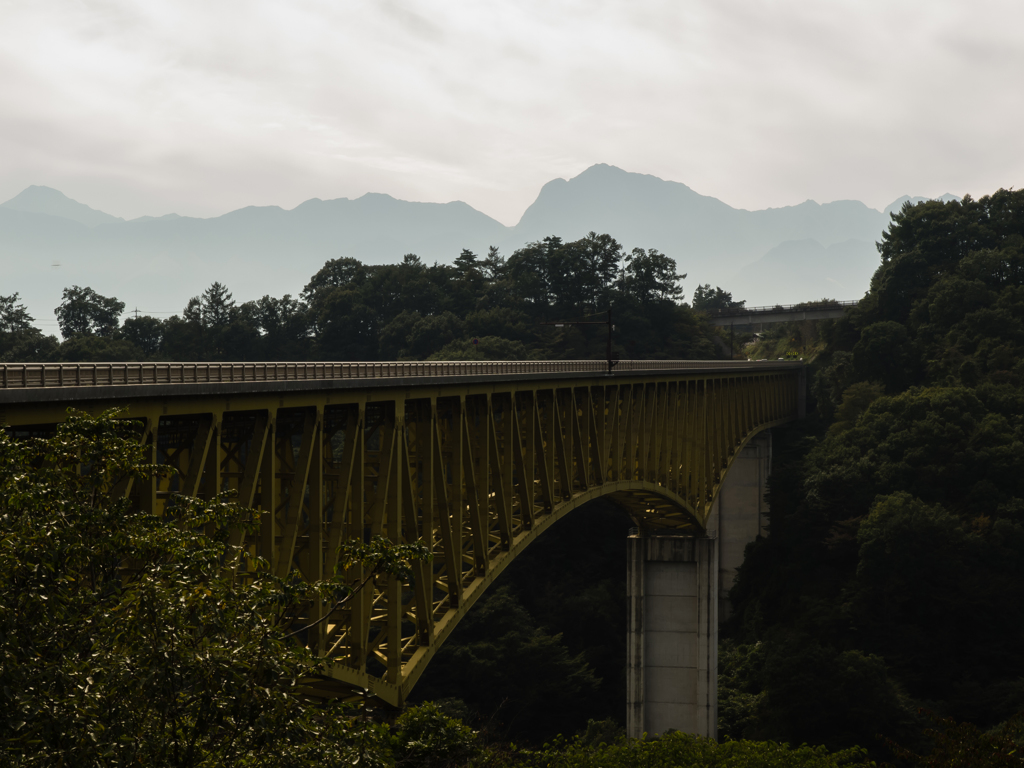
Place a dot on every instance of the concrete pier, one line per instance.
(672, 645)
(738, 515)
(677, 590)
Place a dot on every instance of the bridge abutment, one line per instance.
(672, 646)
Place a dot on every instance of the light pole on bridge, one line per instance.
(608, 322)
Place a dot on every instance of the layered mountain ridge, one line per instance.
(776, 255)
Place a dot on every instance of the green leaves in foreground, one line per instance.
(127, 639)
(681, 749)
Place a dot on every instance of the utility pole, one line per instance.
(608, 322)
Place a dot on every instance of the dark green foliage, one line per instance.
(477, 308)
(411, 336)
(931, 593)
(940, 444)
(856, 399)
(29, 347)
(216, 306)
(927, 243)
(19, 339)
(83, 312)
(894, 572)
(145, 333)
(346, 327)
(582, 273)
(501, 658)
(885, 353)
(706, 297)
(832, 375)
(792, 688)
(483, 348)
(530, 278)
(813, 693)
(127, 640)
(651, 276)
(94, 349)
(14, 317)
(426, 737)
(500, 322)
(675, 750)
(964, 745)
(282, 326)
(542, 652)
(740, 688)
(599, 732)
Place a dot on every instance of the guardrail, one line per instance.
(781, 308)
(38, 375)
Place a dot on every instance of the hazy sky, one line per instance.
(152, 106)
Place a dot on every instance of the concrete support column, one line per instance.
(738, 514)
(672, 645)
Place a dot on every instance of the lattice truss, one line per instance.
(475, 472)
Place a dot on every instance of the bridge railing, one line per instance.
(37, 375)
(780, 308)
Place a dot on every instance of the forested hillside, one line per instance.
(478, 308)
(893, 578)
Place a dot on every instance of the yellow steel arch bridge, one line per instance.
(474, 459)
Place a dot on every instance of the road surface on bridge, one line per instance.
(780, 313)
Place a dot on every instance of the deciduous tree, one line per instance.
(83, 312)
(132, 640)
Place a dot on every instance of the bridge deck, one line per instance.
(62, 382)
(780, 313)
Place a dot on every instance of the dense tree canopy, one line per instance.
(706, 297)
(83, 312)
(19, 339)
(475, 308)
(897, 516)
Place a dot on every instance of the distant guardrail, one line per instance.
(779, 309)
(40, 375)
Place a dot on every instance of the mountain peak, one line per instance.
(601, 194)
(602, 172)
(603, 169)
(53, 202)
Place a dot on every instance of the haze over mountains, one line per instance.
(778, 255)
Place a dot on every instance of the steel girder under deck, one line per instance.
(477, 468)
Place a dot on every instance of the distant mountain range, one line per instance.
(778, 255)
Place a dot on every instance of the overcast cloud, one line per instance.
(149, 106)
